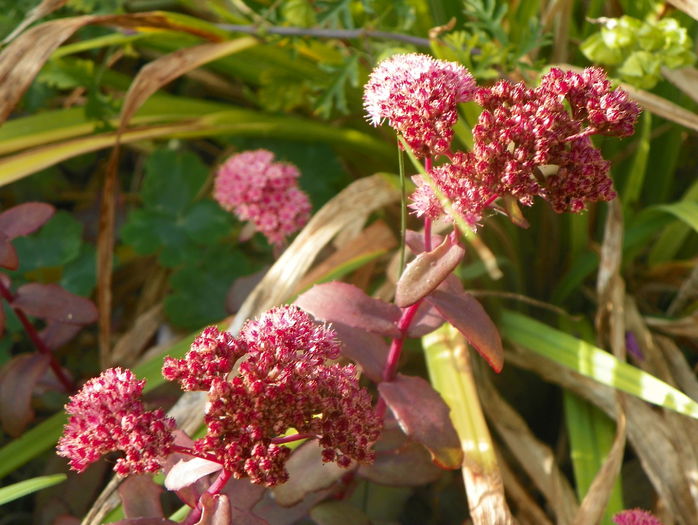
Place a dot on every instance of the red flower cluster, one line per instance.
(283, 380)
(263, 192)
(107, 415)
(419, 96)
(527, 142)
(635, 517)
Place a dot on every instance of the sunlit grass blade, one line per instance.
(448, 363)
(591, 435)
(590, 361)
(29, 486)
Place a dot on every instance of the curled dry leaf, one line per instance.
(51, 302)
(307, 474)
(350, 305)
(140, 497)
(25, 218)
(427, 271)
(424, 416)
(17, 382)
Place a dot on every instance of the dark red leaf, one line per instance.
(415, 241)
(307, 473)
(8, 254)
(25, 218)
(275, 514)
(468, 316)
(216, 510)
(17, 381)
(144, 521)
(189, 494)
(51, 302)
(2, 318)
(426, 320)
(140, 497)
(348, 304)
(244, 495)
(368, 350)
(407, 466)
(427, 271)
(424, 416)
(57, 334)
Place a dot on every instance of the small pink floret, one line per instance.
(418, 96)
(107, 415)
(264, 192)
(635, 517)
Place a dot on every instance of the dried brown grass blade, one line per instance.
(169, 67)
(649, 430)
(536, 458)
(686, 79)
(41, 10)
(128, 348)
(528, 510)
(690, 7)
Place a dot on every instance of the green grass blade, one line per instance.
(673, 236)
(29, 486)
(591, 437)
(593, 362)
(636, 176)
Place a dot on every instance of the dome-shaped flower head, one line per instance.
(264, 192)
(107, 415)
(284, 380)
(635, 517)
(418, 95)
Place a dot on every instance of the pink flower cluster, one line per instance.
(282, 380)
(635, 517)
(107, 415)
(418, 95)
(527, 143)
(264, 192)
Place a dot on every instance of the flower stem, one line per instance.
(37, 341)
(215, 488)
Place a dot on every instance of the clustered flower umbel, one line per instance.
(264, 192)
(277, 374)
(635, 517)
(527, 142)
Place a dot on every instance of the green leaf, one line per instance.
(590, 361)
(55, 244)
(80, 275)
(199, 289)
(335, 96)
(29, 486)
(206, 222)
(172, 180)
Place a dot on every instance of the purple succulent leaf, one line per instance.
(140, 497)
(415, 241)
(427, 271)
(51, 302)
(408, 466)
(348, 304)
(307, 473)
(56, 334)
(187, 472)
(468, 316)
(269, 509)
(189, 494)
(244, 494)
(8, 254)
(426, 320)
(17, 382)
(424, 416)
(25, 218)
(216, 510)
(369, 350)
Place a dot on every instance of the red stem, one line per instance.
(293, 437)
(215, 488)
(37, 341)
(408, 313)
